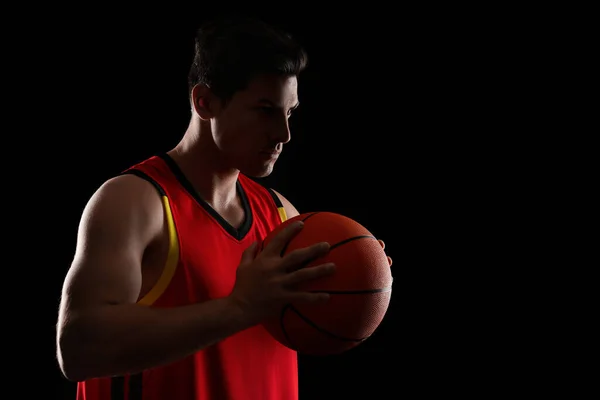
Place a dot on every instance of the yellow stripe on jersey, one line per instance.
(172, 260)
(282, 213)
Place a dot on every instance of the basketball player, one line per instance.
(166, 291)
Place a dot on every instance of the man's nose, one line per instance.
(281, 133)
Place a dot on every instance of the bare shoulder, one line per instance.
(126, 187)
(127, 190)
(290, 209)
(121, 200)
(118, 223)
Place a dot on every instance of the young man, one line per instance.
(166, 291)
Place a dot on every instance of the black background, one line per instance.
(410, 123)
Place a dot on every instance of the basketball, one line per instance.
(360, 288)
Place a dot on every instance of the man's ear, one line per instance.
(202, 101)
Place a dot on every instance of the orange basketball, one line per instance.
(360, 288)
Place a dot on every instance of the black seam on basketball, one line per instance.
(330, 248)
(333, 246)
(365, 291)
(288, 243)
(310, 215)
(287, 337)
(326, 332)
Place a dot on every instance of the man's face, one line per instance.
(253, 126)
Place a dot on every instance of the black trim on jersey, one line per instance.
(275, 197)
(236, 233)
(135, 387)
(117, 387)
(143, 175)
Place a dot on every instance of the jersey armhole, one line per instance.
(280, 207)
(173, 254)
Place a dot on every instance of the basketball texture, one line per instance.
(360, 288)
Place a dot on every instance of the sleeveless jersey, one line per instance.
(204, 253)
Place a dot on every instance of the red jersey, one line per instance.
(204, 253)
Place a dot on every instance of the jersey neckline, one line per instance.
(237, 233)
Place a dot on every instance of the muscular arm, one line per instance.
(101, 331)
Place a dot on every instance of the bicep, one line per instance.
(115, 229)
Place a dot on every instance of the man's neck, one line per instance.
(203, 170)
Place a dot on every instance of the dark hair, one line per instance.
(231, 51)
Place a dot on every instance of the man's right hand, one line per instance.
(266, 281)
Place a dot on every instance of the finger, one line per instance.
(381, 243)
(309, 297)
(300, 257)
(279, 241)
(389, 260)
(310, 273)
(249, 253)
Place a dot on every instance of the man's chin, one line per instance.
(258, 172)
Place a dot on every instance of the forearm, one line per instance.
(119, 339)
